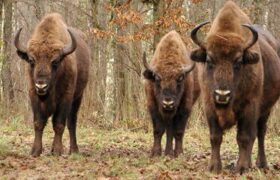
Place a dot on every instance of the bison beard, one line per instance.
(58, 60)
(239, 82)
(171, 92)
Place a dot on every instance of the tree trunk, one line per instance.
(158, 11)
(93, 102)
(120, 58)
(136, 95)
(40, 8)
(1, 20)
(103, 56)
(6, 76)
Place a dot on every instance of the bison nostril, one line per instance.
(41, 86)
(222, 92)
(168, 103)
(222, 96)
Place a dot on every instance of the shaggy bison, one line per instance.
(171, 91)
(58, 60)
(240, 82)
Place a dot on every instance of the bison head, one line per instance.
(44, 66)
(225, 55)
(168, 89)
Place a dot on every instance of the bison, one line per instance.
(171, 92)
(58, 59)
(240, 82)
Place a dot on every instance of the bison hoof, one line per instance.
(241, 169)
(215, 167)
(178, 152)
(262, 164)
(169, 152)
(74, 150)
(35, 152)
(57, 151)
(156, 152)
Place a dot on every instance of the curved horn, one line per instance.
(188, 68)
(69, 48)
(194, 36)
(17, 44)
(255, 36)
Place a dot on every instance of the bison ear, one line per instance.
(251, 57)
(22, 55)
(149, 75)
(198, 55)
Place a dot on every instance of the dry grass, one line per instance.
(121, 154)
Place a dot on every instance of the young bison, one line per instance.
(240, 82)
(171, 92)
(58, 60)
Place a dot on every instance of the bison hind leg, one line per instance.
(261, 159)
(72, 125)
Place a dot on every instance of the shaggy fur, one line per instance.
(251, 76)
(66, 78)
(170, 57)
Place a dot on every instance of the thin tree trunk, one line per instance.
(40, 8)
(136, 88)
(94, 45)
(6, 76)
(1, 18)
(158, 11)
(103, 54)
(120, 56)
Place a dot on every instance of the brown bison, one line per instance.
(171, 92)
(240, 82)
(58, 60)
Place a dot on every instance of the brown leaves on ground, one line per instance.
(122, 154)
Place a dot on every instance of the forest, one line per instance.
(114, 129)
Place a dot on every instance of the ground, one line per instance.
(122, 154)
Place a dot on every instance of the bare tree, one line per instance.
(6, 76)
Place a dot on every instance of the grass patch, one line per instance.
(122, 154)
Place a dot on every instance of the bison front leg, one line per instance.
(169, 140)
(246, 134)
(216, 138)
(59, 120)
(39, 125)
(158, 131)
(179, 129)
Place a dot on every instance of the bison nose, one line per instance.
(168, 104)
(222, 96)
(41, 86)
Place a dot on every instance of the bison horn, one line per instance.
(69, 48)
(17, 44)
(255, 35)
(188, 68)
(194, 36)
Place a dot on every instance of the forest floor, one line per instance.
(122, 154)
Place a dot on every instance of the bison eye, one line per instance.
(237, 64)
(209, 62)
(55, 64)
(157, 78)
(180, 78)
(31, 61)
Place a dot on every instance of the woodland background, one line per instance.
(118, 32)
